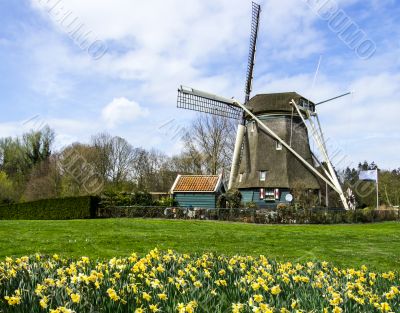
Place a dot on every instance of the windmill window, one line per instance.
(263, 175)
(253, 127)
(278, 145)
(240, 177)
(269, 195)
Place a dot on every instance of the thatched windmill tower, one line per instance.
(268, 172)
(272, 154)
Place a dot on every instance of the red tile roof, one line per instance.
(198, 183)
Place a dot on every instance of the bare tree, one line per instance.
(211, 138)
(121, 158)
(187, 163)
(102, 144)
(152, 170)
(114, 157)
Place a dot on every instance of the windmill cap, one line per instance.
(277, 103)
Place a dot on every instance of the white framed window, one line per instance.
(263, 175)
(278, 145)
(253, 127)
(269, 195)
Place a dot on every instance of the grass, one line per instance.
(376, 245)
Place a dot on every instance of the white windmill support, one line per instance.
(317, 139)
(320, 142)
(322, 167)
(313, 132)
(335, 180)
(236, 154)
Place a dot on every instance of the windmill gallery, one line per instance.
(272, 155)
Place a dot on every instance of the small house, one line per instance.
(197, 191)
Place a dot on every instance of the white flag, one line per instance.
(368, 175)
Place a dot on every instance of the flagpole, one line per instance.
(377, 190)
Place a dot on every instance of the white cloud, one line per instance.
(10, 129)
(122, 110)
(362, 126)
(156, 45)
(166, 43)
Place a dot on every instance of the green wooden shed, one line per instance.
(197, 191)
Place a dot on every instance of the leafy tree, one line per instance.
(14, 161)
(77, 166)
(44, 182)
(38, 145)
(389, 187)
(7, 194)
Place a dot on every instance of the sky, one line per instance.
(114, 66)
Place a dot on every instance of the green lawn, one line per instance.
(376, 245)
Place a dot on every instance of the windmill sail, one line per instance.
(263, 162)
(192, 99)
(256, 9)
(255, 19)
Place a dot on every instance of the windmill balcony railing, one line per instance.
(286, 215)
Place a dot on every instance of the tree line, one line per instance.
(31, 169)
(365, 191)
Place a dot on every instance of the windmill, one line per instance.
(272, 151)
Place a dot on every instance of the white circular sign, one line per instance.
(289, 197)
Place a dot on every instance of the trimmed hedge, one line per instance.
(51, 209)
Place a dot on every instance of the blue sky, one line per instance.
(154, 46)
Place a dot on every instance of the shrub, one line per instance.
(231, 199)
(131, 211)
(251, 205)
(112, 199)
(51, 209)
(142, 198)
(7, 190)
(166, 202)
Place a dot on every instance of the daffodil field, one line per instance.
(172, 282)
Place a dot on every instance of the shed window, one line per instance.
(278, 145)
(263, 175)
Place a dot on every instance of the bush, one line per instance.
(7, 190)
(142, 198)
(113, 199)
(231, 199)
(132, 212)
(51, 209)
(251, 205)
(166, 202)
